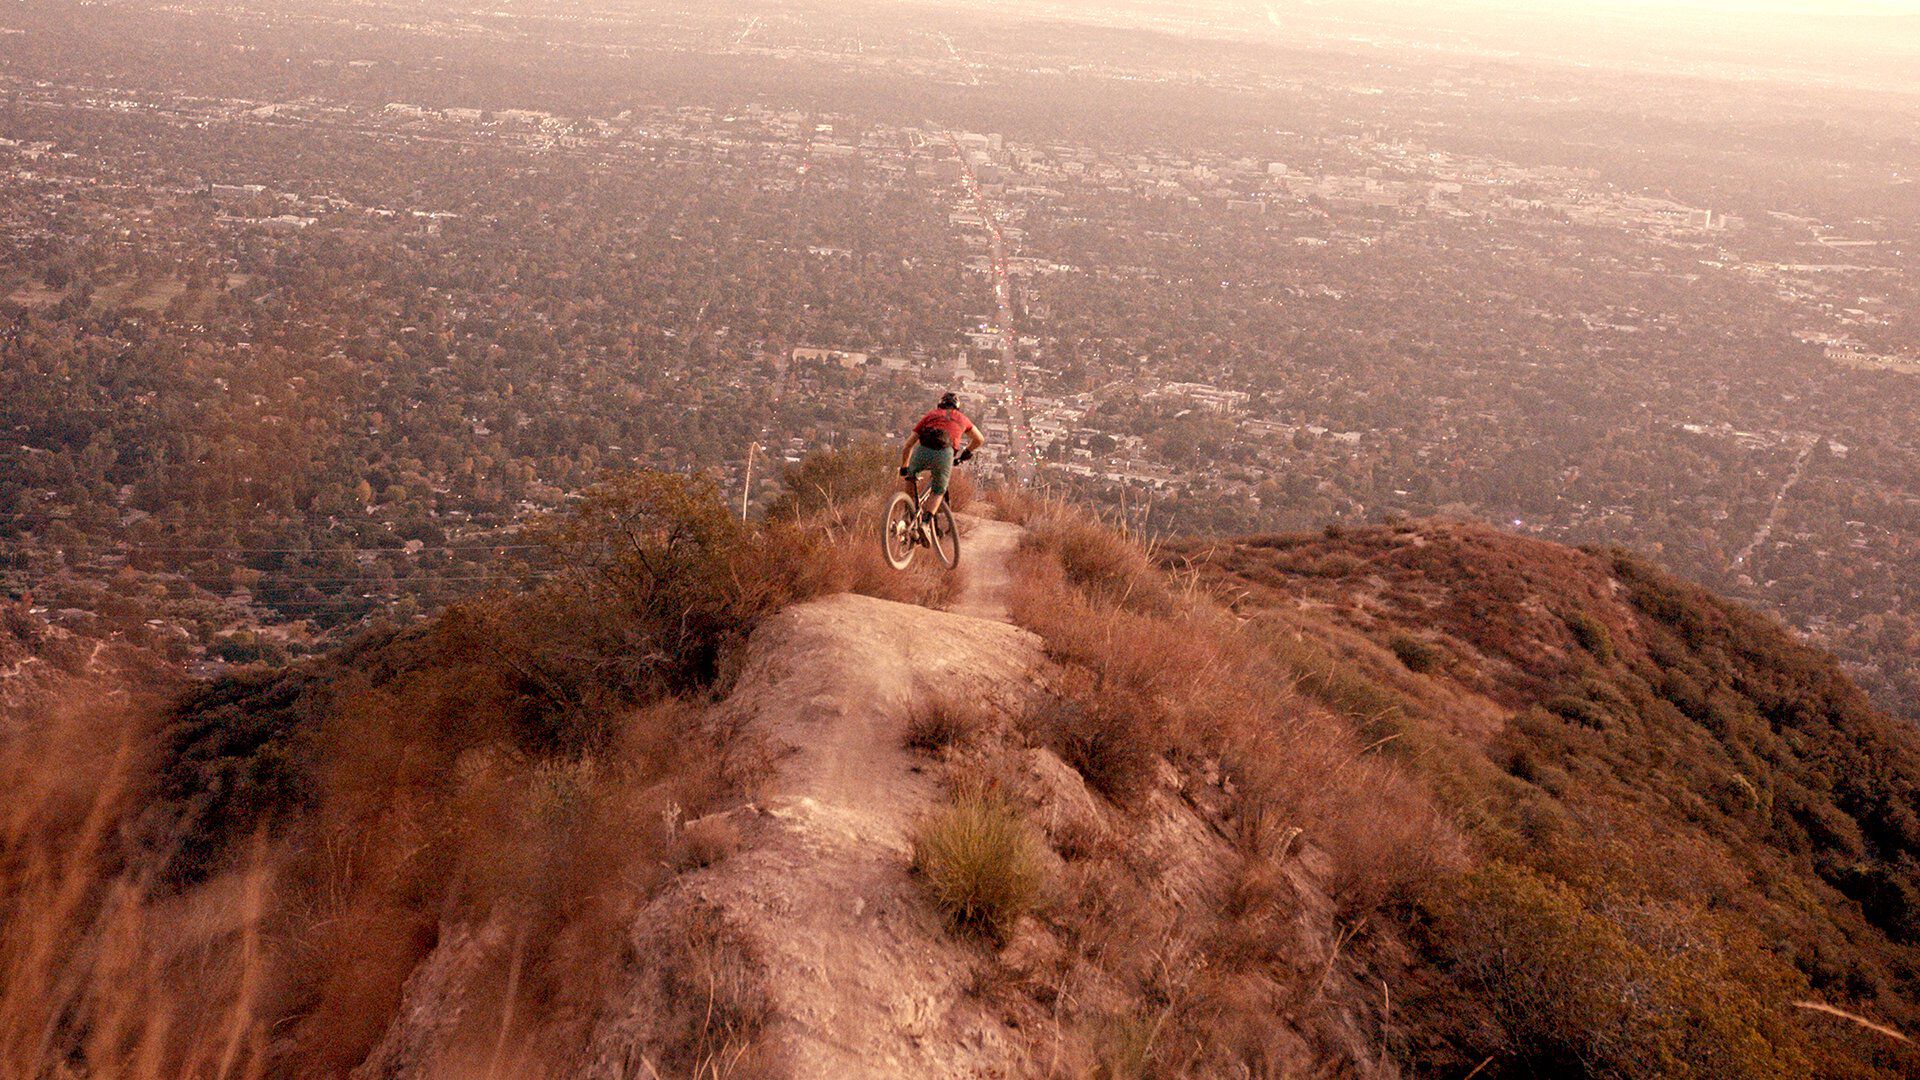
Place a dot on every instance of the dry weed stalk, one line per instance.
(1819, 1006)
(91, 969)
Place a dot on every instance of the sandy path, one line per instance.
(866, 982)
(985, 547)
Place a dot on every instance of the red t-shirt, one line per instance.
(952, 421)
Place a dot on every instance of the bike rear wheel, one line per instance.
(896, 531)
(946, 538)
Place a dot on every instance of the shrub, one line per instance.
(1591, 634)
(1420, 656)
(835, 482)
(1336, 682)
(942, 721)
(1577, 995)
(980, 862)
(660, 579)
(1109, 738)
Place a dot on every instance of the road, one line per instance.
(1779, 502)
(1022, 457)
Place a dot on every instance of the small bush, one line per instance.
(1591, 634)
(980, 862)
(940, 722)
(836, 482)
(662, 579)
(1336, 682)
(1110, 739)
(705, 842)
(1420, 656)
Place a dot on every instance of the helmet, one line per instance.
(949, 400)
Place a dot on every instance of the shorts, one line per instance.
(938, 462)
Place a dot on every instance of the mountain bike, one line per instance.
(904, 530)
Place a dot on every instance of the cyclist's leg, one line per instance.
(940, 465)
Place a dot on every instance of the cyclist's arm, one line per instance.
(906, 449)
(975, 440)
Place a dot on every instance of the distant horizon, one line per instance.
(1865, 43)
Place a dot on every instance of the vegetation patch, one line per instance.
(1419, 655)
(1649, 992)
(942, 721)
(980, 862)
(1685, 822)
(1111, 739)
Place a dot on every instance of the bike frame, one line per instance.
(913, 492)
(913, 487)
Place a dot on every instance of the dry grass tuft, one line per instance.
(942, 721)
(94, 974)
(710, 1011)
(1095, 558)
(980, 862)
(704, 842)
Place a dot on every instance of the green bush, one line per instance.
(1334, 681)
(980, 862)
(661, 578)
(1418, 655)
(1591, 634)
(1579, 994)
(836, 482)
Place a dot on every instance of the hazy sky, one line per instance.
(1866, 42)
(1892, 24)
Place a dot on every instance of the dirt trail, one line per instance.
(865, 980)
(986, 546)
(823, 937)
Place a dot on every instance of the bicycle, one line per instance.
(904, 529)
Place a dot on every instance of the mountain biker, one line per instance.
(931, 448)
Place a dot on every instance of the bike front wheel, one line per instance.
(946, 539)
(896, 531)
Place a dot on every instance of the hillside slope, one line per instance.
(1680, 764)
(860, 978)
(1416, 800)
(829, 958)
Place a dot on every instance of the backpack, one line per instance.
(934, 438)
